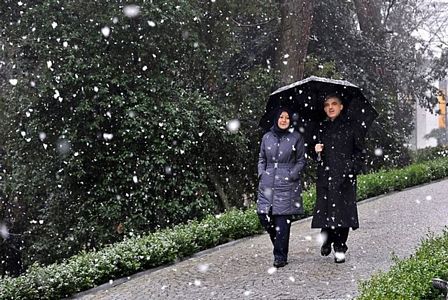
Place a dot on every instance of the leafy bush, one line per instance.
(113, 134)
(429, 153)
(88, 269)
(395, 180)
(411, 278)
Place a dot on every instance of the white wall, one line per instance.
(425, 122)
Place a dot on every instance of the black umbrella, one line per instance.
(305, 98)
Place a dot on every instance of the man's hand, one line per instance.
(319, 148)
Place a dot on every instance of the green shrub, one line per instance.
(411, 278)
(395, 180)
(129, 144)
(429, 153)
(88, 269)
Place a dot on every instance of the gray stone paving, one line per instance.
(393, 223)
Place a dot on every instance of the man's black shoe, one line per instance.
(325, 250)
(339, 257)
(280, 263)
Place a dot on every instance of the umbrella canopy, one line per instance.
(306, 97)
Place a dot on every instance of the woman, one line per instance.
(340, 154)
(280, 163)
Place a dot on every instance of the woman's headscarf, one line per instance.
(277, 130)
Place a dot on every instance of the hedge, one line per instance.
(89, 269)
(411, 278)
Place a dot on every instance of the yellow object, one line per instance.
(442, 110)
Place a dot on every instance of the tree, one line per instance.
(295, 23)
(439, 134)
(369, 18)
(108, 128)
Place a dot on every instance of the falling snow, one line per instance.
(233, 125)
(105, 31)
(131, 11)
(4, 233)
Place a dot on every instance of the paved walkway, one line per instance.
(394, 223)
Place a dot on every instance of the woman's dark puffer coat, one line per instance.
(280, 164)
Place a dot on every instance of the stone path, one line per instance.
(394, 223)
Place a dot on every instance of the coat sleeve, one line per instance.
(262, 157)
(311, 151)
(359, 152)
(300, 159)
(317, 139)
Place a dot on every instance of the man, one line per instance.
(340, 156)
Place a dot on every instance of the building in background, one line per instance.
(431, 127)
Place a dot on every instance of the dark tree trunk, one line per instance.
(11, 257)
(223, 199)
(296, 20)
(369, 18)
(11, 242)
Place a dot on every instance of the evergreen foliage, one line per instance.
(411, 278)
(114, 127)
